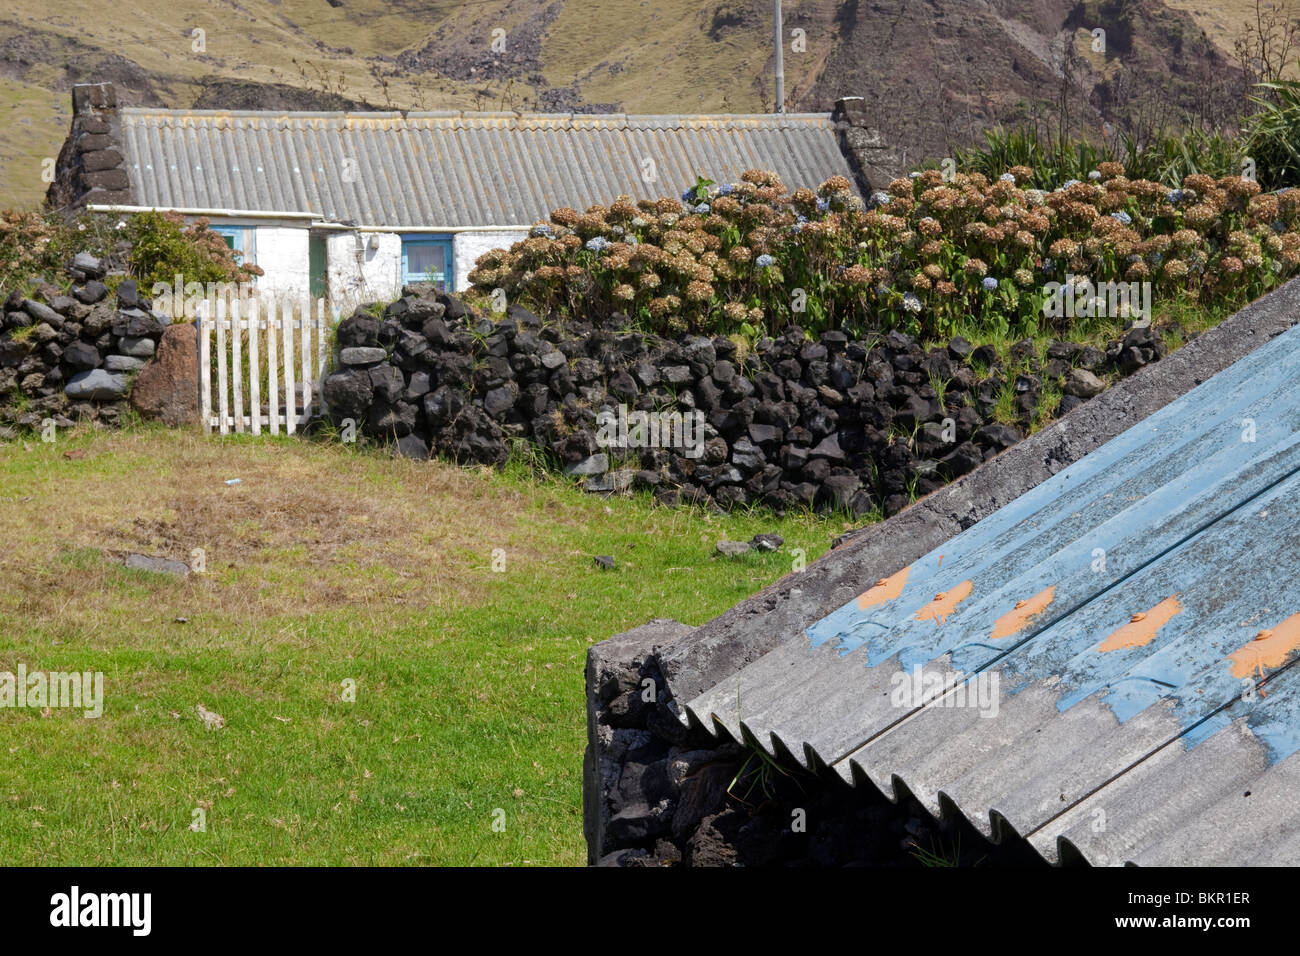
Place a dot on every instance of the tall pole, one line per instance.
(780, 62)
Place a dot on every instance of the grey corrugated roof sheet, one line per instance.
(455, 169)
(1133, 624)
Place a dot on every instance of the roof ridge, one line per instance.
(570, 120)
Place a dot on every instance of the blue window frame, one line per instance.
(240, 239)
(427, 258)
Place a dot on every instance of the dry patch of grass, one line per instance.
(375, 531)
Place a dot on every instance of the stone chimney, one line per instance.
(91, 168)
(874, 163)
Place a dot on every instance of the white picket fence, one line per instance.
(246, 344)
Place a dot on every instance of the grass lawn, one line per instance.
(324, 565)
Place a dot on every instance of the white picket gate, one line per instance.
(246, 343)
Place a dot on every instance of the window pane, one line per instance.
(423, 258)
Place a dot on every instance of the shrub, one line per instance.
(1272, 136)
(151, 246)
(163, 246)
(926, 256)
(1167, 158)
(34, 245)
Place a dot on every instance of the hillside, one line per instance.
(937, 71)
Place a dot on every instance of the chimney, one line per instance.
(90, 99)
(91, 167)
(874, 163)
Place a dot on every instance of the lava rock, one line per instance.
(82, 356)
(1083, 384)
(96, 385)
(349, 393)
(362, 355)
(732, 549)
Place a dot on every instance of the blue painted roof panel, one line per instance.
(1142, 603)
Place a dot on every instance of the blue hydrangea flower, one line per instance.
(631, 240)
(879, 199)
(1070, 182)
(688, 195)
(541, 230)
(1007, 178)
(823, 205)
(911, 303)
(1122, 217)
(1277, 226)
(597, 244)
(990, 283)
(726, 189)
(703, 208)
(913, 175)
(1175, 197)
(1094, 175)
(1049, 265)
(764, 261)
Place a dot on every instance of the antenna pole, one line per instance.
(780, 62)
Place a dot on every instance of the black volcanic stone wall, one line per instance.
(73, 356)
(827, 423)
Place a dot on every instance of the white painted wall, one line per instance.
(468, 246)
(356, 273)
(280, 249)
(281, 252)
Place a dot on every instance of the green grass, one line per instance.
(1177, 318)
(324, 565)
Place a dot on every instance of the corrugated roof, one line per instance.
(1134, 622)
(455, 169)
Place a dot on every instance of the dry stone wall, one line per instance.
(65, 357)
(823, 422)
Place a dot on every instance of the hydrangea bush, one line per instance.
(926, 255)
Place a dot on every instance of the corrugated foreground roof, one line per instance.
(455, 169)
(1106, 666)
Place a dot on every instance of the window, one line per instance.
(239, 239)
(427, 259)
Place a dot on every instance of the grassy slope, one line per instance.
(323, 564)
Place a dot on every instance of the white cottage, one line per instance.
(353, 205)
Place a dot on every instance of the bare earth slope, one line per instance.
(937, 71)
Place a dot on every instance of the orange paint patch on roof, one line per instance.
(1016, 619)
(944, 603)
(1270, 648)
(886, 589)
(1144, 626)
